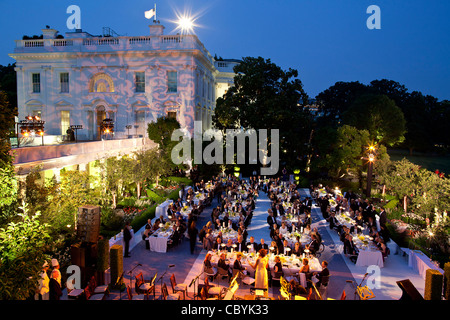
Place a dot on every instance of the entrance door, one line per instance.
(101, 115)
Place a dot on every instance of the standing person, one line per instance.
(260, 266)
(55, 266)
(193, 232)
(42, 293)
(126, 238)
(55, 291)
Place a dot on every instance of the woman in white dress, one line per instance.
(260, 266)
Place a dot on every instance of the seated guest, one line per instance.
(298, 249)
(334, 223)
(271, 221)
(237, 265)
(263, 245)
(323, 275)
(207, 266)
(240, 245)
(350, 248)
(305, 266)
(222, 263)
(253, 244)
(313, 246)
(286, 248)
(229, 245)
(218, 244)
(278, 267)
(273, 248)
(283, 229)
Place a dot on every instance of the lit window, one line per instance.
(65, 121)
(172, 81)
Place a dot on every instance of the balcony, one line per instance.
(108, 44)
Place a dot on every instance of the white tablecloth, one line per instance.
(421, 263)
(370, 257)
(158, 244)
(161, 210)
(291, 266)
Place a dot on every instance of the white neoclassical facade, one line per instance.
(81, 79)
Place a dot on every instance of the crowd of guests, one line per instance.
(279, 192)
(363, 214)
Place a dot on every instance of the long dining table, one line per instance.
(291, 263)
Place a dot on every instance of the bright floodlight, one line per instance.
(185, 24)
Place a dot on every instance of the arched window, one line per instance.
(101, 82)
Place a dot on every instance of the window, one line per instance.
(64, 82)
(65, 121)
(140, 81)
(36, 82)
(172, 81)
(172, 114)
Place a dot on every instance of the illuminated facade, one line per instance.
(82, 79)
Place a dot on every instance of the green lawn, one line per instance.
(430, 162)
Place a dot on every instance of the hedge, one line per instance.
(149, 213)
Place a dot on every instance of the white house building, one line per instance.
(82, 79)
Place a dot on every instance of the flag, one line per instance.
(149, 13)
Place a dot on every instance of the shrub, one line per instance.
(116, 257)
(433, 285)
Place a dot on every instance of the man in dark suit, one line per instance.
(271, 219)
(126, 238)
(383, 217)
(253, 244)
(322, 276)
(350, 248)
(240, 244)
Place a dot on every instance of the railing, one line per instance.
(62, 43)
(100, 42)
(162, 42)
(33, 43)
(139, 40)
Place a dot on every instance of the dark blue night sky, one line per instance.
(325, 40)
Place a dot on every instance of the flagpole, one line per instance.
(155, 12)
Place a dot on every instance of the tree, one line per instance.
(334, 101)
(7, 114)
(22, 247)
(161, 133)
(380, 116)
(266, 97)
(143, 167)
(8, 191)
(72, 192)
(344, 155)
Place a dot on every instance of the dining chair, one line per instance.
(143, 287)
(178, 287)
(136, 297)
(98, 289)
(222, 273)
(165, 294)
(91, 296)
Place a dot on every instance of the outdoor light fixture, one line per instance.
(31, 125)
(371, 159)
(107, 126)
